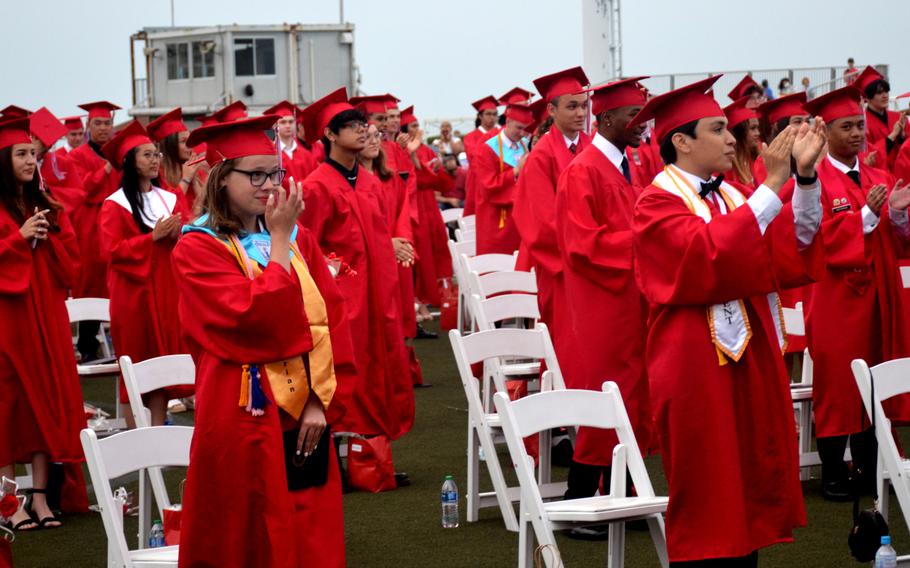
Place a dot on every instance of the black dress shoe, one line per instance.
(424, 334)
(837, 491)
(402, 479)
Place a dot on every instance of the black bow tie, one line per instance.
(708, 187)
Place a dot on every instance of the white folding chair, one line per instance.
(462, 235)
(482, 264)
(455, 251)
(142, 378)
(509, 309)
(451, 215)
(502, 282)
(561, 408)
(467, 222)
(98, 309)
(890, 379)
(483, 423)
(119, 455)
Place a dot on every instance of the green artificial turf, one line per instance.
(402, 528)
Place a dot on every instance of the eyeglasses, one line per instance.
(355, 124)
(258, 177)
(151, 155)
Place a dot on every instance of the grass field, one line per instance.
(402, 528)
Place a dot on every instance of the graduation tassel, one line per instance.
(244, 387)
(257, 396)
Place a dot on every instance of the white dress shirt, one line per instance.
(609, 150)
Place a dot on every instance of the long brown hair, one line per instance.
(216, 204)
(21, 204)
(170, 162)
(745, 155)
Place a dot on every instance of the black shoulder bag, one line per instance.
(869, 526)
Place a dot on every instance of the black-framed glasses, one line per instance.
(355, 124)
(258, 177)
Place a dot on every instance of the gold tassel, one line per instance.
(244, 387)
(503, 215)
(721, 358)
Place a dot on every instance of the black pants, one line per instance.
(88, 343)
(584, 480)
(863, 448)
(748, 561)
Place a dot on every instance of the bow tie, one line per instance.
(708, 187)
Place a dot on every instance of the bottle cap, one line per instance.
(886, 540)
(449, 477)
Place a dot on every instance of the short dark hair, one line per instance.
(667, 150)
(338, 121)
(876, 87)
(502, 119)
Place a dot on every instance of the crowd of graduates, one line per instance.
(294, 255)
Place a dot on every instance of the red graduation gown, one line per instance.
(472, 141)
(350, 223)
(299, 165)
(140, 278)
(876, 133)
(236, 486)
(535, 221)
(594, 205)
(97, 185)
(849, 314)
(495, 191)
(397, 209)
(63, 182)
(727, 434)
(430, 235)
(41, 402)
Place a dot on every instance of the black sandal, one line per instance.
(29, 521)
(42, 523)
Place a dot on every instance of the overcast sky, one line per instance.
(440, 55)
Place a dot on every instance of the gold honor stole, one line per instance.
(728, 321)
(292, 379)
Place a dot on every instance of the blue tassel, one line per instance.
(257, 397)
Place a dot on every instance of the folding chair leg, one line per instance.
(525, 539)
(616, 545)
(499, 481)
(659, 538)
(545, 456)
(473, 488)
(882, 486)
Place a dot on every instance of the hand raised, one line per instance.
(876, 198)
(808, 145)
(283, 208)
(777, 159)
(36, 226)
(899, 199)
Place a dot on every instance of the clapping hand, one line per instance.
(900, 197)
(876, 198)
(808, 145)
(777, 159)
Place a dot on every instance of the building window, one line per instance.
(203, 58)
(178, 61)
(254, 56)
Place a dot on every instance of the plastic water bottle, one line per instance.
(886, 557)
(449, 503)
(156, 535)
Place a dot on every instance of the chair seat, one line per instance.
(604, 508)
(154, 557)
(801, 393)
(521, 369)
(96, 370)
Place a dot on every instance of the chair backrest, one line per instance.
(467, 221)
(128, 452)
(450, 215)
(153, 374)
(467, 248)
(566, 408)
(88, 309)
(502, 282)
(485, 263)
(462, 235)
(489, 346)
(487, 313)
(905, 276)
(794, 322)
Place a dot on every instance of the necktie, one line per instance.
(711, 186)
(625, 169)
(854, 175)
(572, 148)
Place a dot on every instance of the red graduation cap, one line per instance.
(680, 106)
(568, 82)
(520, 113)
(317, 116)
(13, 111)
(236, 139)
(14, 131)
(486, 103)
(46, 127)
(234, 111)
(407, 116)
(737, 112)
(207, 120)
(868, 76)
(99, 109)
(904, 96)
(282, 109)
(783, 107)
(742, 88)
(539, 110)
(73, 123)
(840, 103)
(371, 104)
(130, 136)
(391, 101)
(625, 92)
(168, 123)
(516, 95)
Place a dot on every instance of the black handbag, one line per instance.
(310, 471)
(869, 526)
